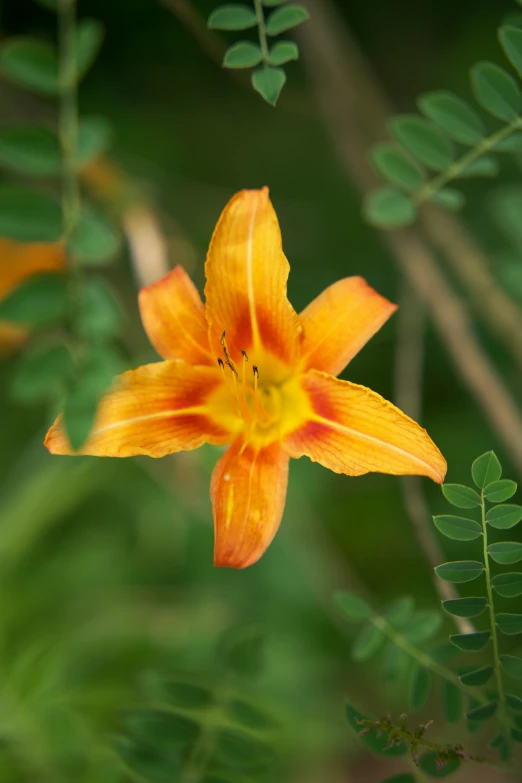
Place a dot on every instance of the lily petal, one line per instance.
(19, 260)
(155, 410)
(248, 493)
(173, 316)
(352, 430)
(339, 322)
(246, 284)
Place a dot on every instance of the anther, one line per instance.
(221, 363)
(244, 353)
(255, 371)
(230, 364)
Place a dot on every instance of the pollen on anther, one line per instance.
(221, 363)
(244, 354)
(255, 371)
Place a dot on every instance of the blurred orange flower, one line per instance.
(19, 261)
(246, 370)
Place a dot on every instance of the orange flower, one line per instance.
(246, 370)
(19, 261)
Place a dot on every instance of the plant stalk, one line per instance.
(262, 32)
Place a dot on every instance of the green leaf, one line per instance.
(283, 52)
(94, 138)
(285, 18)
(389, 208)
(392, 164)
(400, 611)
(239, 749)
(241, 650)
(95, 239)
(89, 38)
(369, 641)
(352, 607)
(516, 734)
(243, 54)
(460, 571)
(510, 624)
(29, 216)
(512, 666)
(232, 17)
(40, 372)
(397, 663)
(461, 496)
(453, 115)
(498, 491)
(449, 198)
(158, 729)
(483, 712)
(423, 140)
(402, 777)
(506, 552)
(250, 716)
(465, 607)
(477, 676)
(99, 315)
(420, 687)
(430, 763)
(458, 528)
(370, 739)
(496, 91)
(32, 64)
(269, 82)
(272, 3)
(39, 301)
(423, 626)
(183, 694)
(514, 702)
(471, 642)
(508, 585)
(486, 166)
(486, 469)
(150, 765)
(31, 150)
(453, 702)
(511, 41)
(504, 517)
(512, 143)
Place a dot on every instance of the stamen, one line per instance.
(245, 357)
(233, 403)
(223, 342)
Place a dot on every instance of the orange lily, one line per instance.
(246, 370)
(19, 261)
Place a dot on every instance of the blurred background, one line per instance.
(107, 585)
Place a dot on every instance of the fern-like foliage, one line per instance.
(268, 76)
(429, 149)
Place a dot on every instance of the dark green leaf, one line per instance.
(471, 642)
(41, 371)
(243, 54)
(269, 82)
(460, 571)
(388, 207)
(511, 41)
(512, 143)
(516, 734)
(94, 138)
(285, 18)
(232, 17)
(29, 216)
(89, 38)
(512, 666)
(486, 166)
(237, 748)
(423, 626)
(496, 91)
(509, 624)
(453, 115)
(31, 150)
(449, 198)
(283, 51)
(353, 607)
(402, 777)
(443, 652)
(95, 239)
(483, 712)
(241, 650)
(431, 764)
(486, 469)
(504, 517)
(99, 315)
(39, 301)
(461, 496)
(400, 611)
(498, 491)
(30, 63)
(184, 694)
(477, 676)
(370, 739)
(465, 607)
(420, 687)
(250, 716)
(160, 729)
(458, 528)
(423, 140)
(272, 3)
(506, 552)
(150, 765)
(514, 702)
(508, 585)
(392, 164)
(367, 643)
(453, 702)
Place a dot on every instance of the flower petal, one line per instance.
(353, 430)
(19, 260)
(339, 322)
(248, 493)
(155, 410)
(174, 318)
(246, 286)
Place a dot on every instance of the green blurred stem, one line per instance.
(456, 169)
(262, 32)
(502, 707)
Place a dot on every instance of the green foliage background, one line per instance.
(106, 567)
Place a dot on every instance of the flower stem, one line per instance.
(502, 707)
(262, 32)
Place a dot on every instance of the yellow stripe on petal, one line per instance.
(339, 322)
(155, 410)
(353, 430)
(248, 493)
